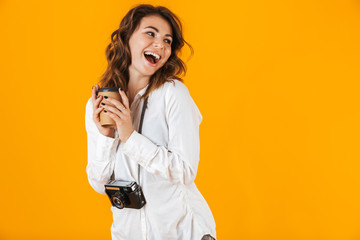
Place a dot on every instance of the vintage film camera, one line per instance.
(125, 194)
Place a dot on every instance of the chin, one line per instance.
(151, 72)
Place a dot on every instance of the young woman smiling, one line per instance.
(143, 62)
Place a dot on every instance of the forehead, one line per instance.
(157, 22)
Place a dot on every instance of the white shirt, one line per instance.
(168, 153)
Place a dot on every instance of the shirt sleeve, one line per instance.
(101, 153)
(177, 162)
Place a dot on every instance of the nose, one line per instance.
(158, 44)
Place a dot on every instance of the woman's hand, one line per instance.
(106, 131)
(121, 114)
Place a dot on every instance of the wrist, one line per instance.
(128, 136)
(110, 133)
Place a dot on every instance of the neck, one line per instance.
(136, 83)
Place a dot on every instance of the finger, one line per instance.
(97, 102)
(114, 116)
(116, 103)
(124, 98)
(113, 110)
(93, 94)
(97, 114)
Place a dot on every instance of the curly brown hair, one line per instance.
(119, 56)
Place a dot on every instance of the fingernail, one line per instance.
(105, 97)
(105, 111)
(103, 104)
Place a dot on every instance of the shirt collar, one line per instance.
(142, 91)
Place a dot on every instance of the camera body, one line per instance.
(125, 194)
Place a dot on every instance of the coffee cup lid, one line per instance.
(109, 89)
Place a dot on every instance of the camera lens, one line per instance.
(117, 202)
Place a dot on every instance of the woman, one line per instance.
(143, 62)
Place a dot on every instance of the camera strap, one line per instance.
(139, 131)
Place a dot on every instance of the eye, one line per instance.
(167, 41)
(150, 33)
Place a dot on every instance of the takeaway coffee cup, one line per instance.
(112, 92)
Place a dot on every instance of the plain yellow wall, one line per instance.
(277, 83)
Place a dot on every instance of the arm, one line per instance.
(178, 162)
(101, 153)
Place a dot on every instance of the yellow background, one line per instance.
(277, 83)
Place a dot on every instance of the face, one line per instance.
(150, 45)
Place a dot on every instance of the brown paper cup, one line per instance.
(112, 92)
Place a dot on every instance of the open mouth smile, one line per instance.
(152, 57)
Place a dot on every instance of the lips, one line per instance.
(151, 60)
(153, 53)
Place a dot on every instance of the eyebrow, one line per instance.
(157, 30)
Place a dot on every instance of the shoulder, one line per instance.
(89, 104)
(89, 123)
(176, 90)
(178, 98)
(89, 107)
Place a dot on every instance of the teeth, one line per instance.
(154, 54)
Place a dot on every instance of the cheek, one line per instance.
(139, 44)
(168, 53)
(164, 63)
(167, 58)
